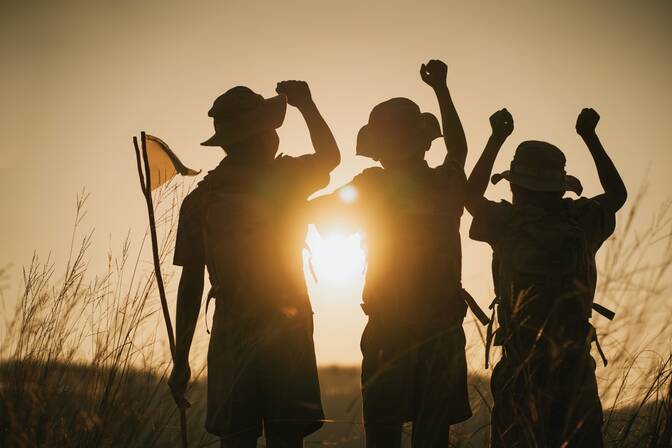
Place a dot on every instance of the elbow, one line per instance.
(615, 200)
(621, 199)
(620, 196)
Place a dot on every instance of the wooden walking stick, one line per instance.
(146, 186)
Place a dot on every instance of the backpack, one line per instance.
(541, 267)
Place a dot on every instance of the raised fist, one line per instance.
(501, 123)
(587, 121)
(297, 92)
(433, 73)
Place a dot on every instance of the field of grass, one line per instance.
(83, 360)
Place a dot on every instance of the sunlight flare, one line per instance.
(335, 258)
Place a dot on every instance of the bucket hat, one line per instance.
(539, 166)
(240, 113)
(395, 128)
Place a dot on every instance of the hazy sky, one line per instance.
(78, 79)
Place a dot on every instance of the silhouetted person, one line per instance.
(245, 222)
(544, 272)
(414, 367)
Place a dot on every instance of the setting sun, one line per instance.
(252, 219)
(335, 258)
(334, 271)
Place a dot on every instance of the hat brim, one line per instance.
(375, 142)
(570, 183)
(268, 116)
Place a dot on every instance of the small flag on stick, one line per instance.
(157, 164)
(163, 163)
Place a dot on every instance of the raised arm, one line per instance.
(434, 73)
(189, 295)
(298, 95)
(502, 126)
(615, 193)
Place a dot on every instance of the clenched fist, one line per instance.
(297, 92)
(587, 122)
(433, 73)
(501, 123)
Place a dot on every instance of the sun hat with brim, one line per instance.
(539, 166)
(240, 113)
(396, 128)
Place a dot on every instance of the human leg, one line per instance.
(383, 435)
(388, 366)
(578, 410)
(441, 397)
(239, 441)
(286, 440)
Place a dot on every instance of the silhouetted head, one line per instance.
(537, 174)
(258, 148)
(245, 123)
(397, 133)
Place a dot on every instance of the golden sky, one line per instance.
(78, 79)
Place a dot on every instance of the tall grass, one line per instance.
(84, 359)
(81, 362)
(635, 281)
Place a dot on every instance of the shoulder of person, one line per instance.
(584, 205)
(450, 171)
(285, 160)
(369, 175)
(593, 216)
(195, 197)
(452, 166)
(500, 213)
(491, 222)
(305, 164)
(305, 170)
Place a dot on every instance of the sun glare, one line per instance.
(348, 194)
(335, 258)
(334, 271)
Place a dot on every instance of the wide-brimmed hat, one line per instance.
(539, 166)
(240, 113)
(396, 127)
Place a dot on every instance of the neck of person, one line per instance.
(249, 159)
(539, 199)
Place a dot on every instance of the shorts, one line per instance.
(539, 405)
(262, 373)
(411, 372)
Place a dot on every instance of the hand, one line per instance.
(433, 73)
(501, 123)
(297, 92)
(587, 122)
(179, 378)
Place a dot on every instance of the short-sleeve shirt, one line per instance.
(246, 223)
(596, 221)
(410, 221)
